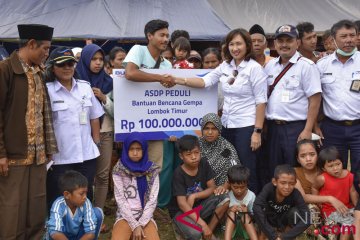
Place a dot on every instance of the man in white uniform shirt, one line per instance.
(340, 80)
(293, 102)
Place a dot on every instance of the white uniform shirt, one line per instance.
(240, 98)
(289, 99)
(74, 139)
(339, 102)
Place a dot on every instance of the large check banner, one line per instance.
(160, 112)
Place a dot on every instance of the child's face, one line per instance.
(307, 156)
(78, 197)
(168, 55)
(191, 158)
(180, 54)
(135, 152)
(285, 184)
(334, 168)
(239, 189)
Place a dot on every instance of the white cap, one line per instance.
(76, 50)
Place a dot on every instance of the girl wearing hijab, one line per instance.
(136, 187)
(91, 68)
(218, 151)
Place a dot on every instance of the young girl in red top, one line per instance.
(337, 182)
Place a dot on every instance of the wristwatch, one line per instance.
(258, 130)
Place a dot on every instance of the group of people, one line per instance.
(56, 137)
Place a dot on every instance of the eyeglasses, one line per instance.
(232, 80)
(69, 64)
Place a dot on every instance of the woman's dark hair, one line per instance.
(114, 51)
(182, 43)
(299, 144)
(48, 74)
(187, 143)
(230, 36)
(238, 174)
(328, 154)
(214, 51)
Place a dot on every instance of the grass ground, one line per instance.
(162, 219)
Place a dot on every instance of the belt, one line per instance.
(345, 122)
(283, 122)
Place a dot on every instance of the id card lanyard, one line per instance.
(83, 113)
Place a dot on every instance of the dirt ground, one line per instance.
(162, 219)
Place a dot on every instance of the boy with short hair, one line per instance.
(72, 216)
(241, 204)
(193, 185)
(280, 206)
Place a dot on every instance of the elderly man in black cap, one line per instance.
(259, 44)
(27, 139)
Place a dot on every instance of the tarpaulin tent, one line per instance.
(270, 14)
(111, 19)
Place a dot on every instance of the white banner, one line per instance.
(160, 112)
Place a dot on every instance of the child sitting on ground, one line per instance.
(72, 216)
(241, 204)
(337, 182)
(182, 50)
(136, 188)
(279, 208)
(193, 186)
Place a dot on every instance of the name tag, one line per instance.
(327, 74)
(285, 96)
(58, 101)
(355, 86)
(83, 117)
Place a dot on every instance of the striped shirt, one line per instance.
(63, 220)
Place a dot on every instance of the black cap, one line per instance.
(256, 29)
(61, 55)
(288, 30)
(35, 31)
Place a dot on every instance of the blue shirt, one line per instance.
(141, 57)
(64, 221)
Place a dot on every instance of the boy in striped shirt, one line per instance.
(72, 215)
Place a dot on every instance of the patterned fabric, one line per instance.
(38, 118)
(34, 118)
(150, 174)
(220, 154)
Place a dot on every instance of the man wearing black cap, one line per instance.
(294, 94)
(259, 44)
(27, 139)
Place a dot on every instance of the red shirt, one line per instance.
(338, 188)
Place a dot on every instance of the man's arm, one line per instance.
(313, 109)
(133, 73)
(354, 196)
(95, 129)
(3, 93)
(303, 211)
(259, 209)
